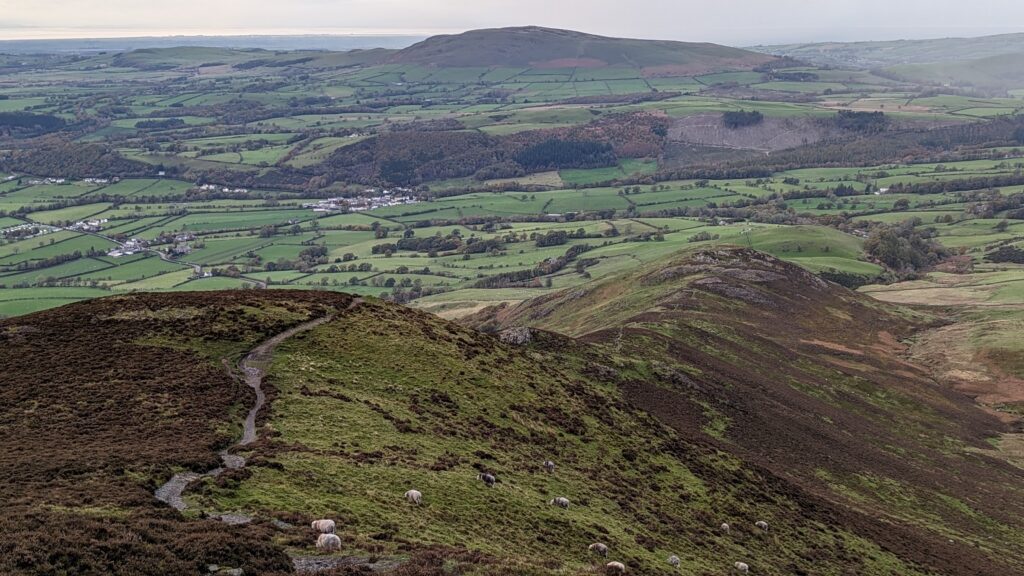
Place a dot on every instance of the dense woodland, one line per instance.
(742, 118)
(26, 124)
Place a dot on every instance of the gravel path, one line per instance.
(253, 367)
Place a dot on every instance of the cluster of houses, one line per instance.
(132, 246)
(58, 181)
(374, 199)
(88, 225)
(181, 246)
(40, 181)
(225, 189)
(40, 230)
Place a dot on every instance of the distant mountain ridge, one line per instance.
(538, 47)
(335, 43)
(898, 52)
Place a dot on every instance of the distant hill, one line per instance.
(304, 42)
(1005, 71)
(896, 52)
(179, 57)
(551, 48)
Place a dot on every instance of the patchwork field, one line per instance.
(422, 251)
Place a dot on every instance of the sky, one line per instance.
(734, 22)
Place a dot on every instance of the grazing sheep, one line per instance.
(549, 466)
(488, 479)
(673, 560)
(328, 542)
(615, 568)
(323, 526)
(724, 527)
(561, 502)
(598, 548)
(762, 525)
(742, 567)
(414, 497)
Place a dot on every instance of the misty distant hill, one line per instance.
(307, 42)
(899, 52)
(551, 48)
(992, 63)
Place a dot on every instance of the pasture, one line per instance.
(623, 227)
(250, 123)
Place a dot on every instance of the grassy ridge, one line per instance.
(359, 418)
(809, 381)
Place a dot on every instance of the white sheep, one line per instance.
(549, 466)
(328, 542)
(674, 561)
(561, 502)
(598, 548)
(323, 526)
(488, 479)
(414, 497)
(615, 567)
(742, 567)
(762, 525)
(724, 527)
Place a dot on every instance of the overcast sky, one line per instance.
(736, 22)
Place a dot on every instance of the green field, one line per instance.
(623, 228)
(276, 137)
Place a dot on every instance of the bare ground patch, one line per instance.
(834, 346)
(948, 350)
(771, 134)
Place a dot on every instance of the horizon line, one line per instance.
(28, 34)
(41, 34)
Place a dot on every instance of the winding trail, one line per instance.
(253, 368)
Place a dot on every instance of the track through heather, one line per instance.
(253, 368)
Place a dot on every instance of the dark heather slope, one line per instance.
(102, 401)
(533, 46)
(807, 381)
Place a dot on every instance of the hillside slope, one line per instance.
(533, 46)
(103, 400)
(890, 53)
(808, 380)
(1003, 71)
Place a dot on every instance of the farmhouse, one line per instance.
(181, 249)
(88, 225)
(130, 247)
